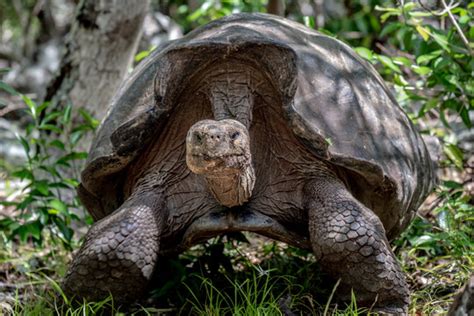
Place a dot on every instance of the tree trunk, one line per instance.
(276, 7)
(99, 50)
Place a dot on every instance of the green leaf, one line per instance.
(62, 185)
(35, 230)
(428, 57)
(75, 136)
(385, 9)
(364, 53)
(441, 40)
(421, 70)
(402, 61)
(58, 205)
(51, 170)
(71, 156)
(63, 228)
(430, 104)
(50, 127)
(67, 114)
(419, 14)
(49, 117)
(361, 24)
(386, 61)
(384, 17)
(141, 55)
(400, 80)
(409, 6)
(7, 203)
(195, 15)
(455, 155)
(42, 187)
(89, 119)
(23, 174)
(464, 113)
(443, 220)
(31, 105)
(40, 108)
(421, 240)
(72, 182)
(24, 143)
(32, 229)
(390, 28)
(58, 144)
(53, 211)
(440, 63)
(452, 184)
(464, 19)
(424, 32)
(7, 88)
(25, 203)
(309, 21)
(22, 231)
(374, 22)
(453, 79)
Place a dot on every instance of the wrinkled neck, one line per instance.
(232, 189)
(230, 92)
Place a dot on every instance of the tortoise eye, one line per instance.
(198, 137)
(235, 135)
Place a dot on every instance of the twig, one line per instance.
(447, 9)
(393, 51)
(10, 108)
(442, 198)
(456, 25)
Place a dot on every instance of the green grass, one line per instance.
(243, 274)
(282, 278)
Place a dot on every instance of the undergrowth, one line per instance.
(227, 276)
(429, 67)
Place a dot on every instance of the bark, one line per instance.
(276, 7)
(99, 50)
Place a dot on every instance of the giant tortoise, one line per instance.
(252, 123)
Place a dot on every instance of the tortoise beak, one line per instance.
(216, 146)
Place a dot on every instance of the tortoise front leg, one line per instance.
(349, 241)
(119, 252)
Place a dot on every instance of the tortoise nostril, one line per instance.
(213, 135)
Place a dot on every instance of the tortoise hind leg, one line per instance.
(119, 252)
(349, 241)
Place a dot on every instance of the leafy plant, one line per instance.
(49, 176)
(450, 233)
(208, 10)
(428, 57)
(435, 62)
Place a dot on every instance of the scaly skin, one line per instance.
(349, 241)
(119, 252)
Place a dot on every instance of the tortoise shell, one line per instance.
(333, 101)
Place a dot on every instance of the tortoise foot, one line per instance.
(349, 241)
(118, 256)
(390, 310)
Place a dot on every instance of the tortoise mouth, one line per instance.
(215, 164)
(207, 156)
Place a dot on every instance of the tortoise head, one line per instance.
(220, 151)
